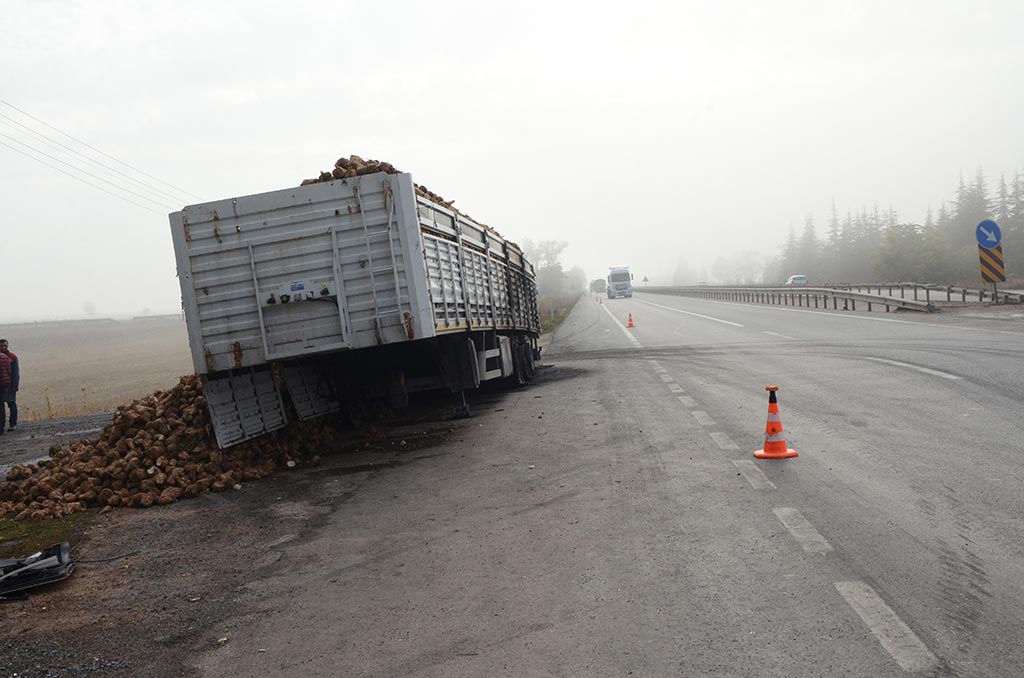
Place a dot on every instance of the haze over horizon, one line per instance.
(646, 134)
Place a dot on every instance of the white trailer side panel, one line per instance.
(302, 271)
(477, 279)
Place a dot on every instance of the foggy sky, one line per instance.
(641, 133)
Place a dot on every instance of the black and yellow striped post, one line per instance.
(991, 260)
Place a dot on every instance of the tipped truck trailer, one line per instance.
(346, 289)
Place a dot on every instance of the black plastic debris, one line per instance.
(49, 565)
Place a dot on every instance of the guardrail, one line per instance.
(933, 292)
(816, 297)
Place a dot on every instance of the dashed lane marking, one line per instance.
(840, 314)
(696, 315)
(724, 441)
(676, 388)
(688, 401)
(780, 336)
(895, 636)
(753, 475)
(703, 418)
(809, 538)
(926, 370)
(667, 378)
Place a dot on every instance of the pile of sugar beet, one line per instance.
(354, 166)
(155, 451)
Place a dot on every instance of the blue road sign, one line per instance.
(988, 234)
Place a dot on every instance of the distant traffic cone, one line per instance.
(774, 440)
(630, 324)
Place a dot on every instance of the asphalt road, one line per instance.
(610, 519)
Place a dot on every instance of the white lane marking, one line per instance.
(698, 315)
(944, 375)
(834, 314)
(809, 538)
(629, 335)
(724, 441)
(753, 475)
(667, 378)
(703, 418)
(676, 388)
(780, 336)
(842, 314)
(688, 401)
(895, 636)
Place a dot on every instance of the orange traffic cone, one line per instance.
(630, 324)
(774, 440)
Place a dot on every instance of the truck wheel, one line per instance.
(522, 364)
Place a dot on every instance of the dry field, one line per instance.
(88, 366)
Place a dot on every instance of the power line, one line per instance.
(78, 169)
(98, 150)
(52, 142)
(145, 207)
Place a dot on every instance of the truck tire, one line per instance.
(523, 367)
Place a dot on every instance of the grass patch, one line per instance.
(20, 538)
(554, 310)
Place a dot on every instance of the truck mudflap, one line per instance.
(310, 388)
(243, 405)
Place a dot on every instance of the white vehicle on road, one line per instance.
(620, 282)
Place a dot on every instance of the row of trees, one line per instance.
(552, 280)
(876, 245)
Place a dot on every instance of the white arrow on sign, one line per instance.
(991, 236)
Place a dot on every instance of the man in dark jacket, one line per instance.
(8, 395)
(5, 383)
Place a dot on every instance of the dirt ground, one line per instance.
(155, 587)
(158, 588)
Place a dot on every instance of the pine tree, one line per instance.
(945, 220)
(808, 252)
(833, 226)
(1002, 206)
(1013, 229)
(890, 218)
